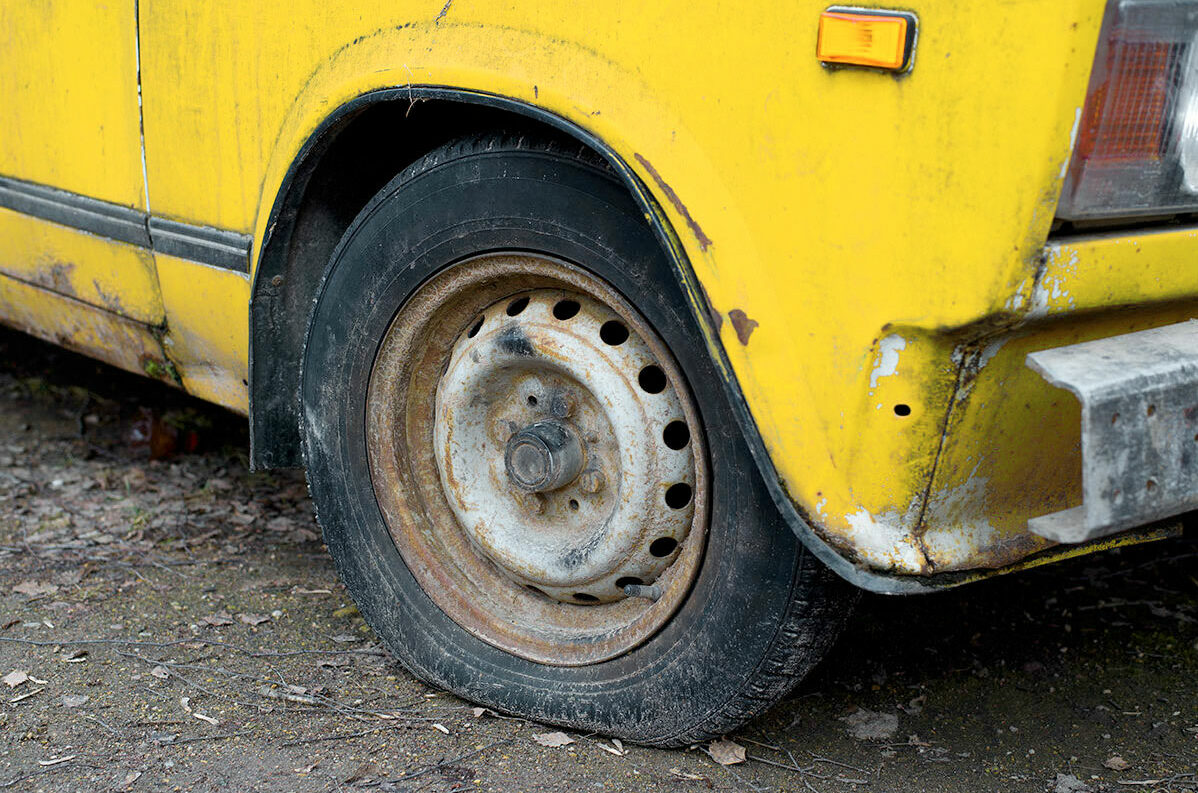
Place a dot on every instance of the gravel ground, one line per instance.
(175, 624)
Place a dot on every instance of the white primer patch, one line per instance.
(958, 530)
(1077, 122)
(1050, 289)
(883, 542)
(888, 358)
(989, 351)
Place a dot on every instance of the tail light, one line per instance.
(1136, 151)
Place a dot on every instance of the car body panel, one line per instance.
(870, 252)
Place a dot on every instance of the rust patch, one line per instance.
(696, 229)
(744, 326)
(60, 278)
(717, 319)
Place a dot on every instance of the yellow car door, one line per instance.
(73, 233)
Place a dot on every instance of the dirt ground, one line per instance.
(176, 624)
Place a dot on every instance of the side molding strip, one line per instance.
(228, 250)
(216, 247)
(79, 212)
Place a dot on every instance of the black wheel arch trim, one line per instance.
(275, 442)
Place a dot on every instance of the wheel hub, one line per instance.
(535, 416)
(545, 455)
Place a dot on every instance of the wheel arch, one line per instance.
(325, 186)
(316, 202)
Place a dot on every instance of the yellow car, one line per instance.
(623, 344)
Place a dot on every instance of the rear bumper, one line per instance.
(1139, 429)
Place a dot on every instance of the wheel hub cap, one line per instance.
(543, 456)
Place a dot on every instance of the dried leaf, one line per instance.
(208, 719)
(74, 700)
(130, 778)
(618, 744)
(726, 752)
(281, 523)
(253, 619)
(1068, 783)
(1116, 763)
(678, 772)
(160, 672)
(363, 771)
(34, 589)
(440, 728)
(15, 678)
(868, 725)
(218, 619)
(610, 749)
(75, 656)
(480, 712)
(552, 739)
(332, 663)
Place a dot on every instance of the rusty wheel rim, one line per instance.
(538, 459)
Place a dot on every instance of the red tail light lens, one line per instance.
(1127, 157)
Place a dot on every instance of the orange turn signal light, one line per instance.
(864, 37)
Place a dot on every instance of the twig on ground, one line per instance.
(198, 738)
(460, 758)
(39, 772)
(178, 642)
(340, 736)
(108, 727)
(817, 759)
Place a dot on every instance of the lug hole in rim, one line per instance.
(678, 496)
(566, 309)
(663, 547)
(676, 435)
(583, 597)
(628, 580)
(532, 400)
(477, 327)
(574, 504)
(516, 306)
(652, 379)
(613, 333)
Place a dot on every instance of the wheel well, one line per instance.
(345, 162)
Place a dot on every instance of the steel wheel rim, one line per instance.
(510, 582)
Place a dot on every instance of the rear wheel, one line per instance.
(525, 466)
